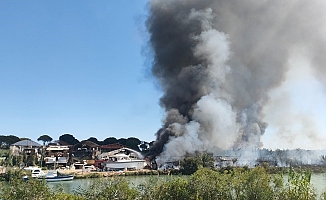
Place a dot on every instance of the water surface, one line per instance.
(317, 180)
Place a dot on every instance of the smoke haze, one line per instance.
(218, 62)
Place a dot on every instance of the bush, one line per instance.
(31, 189)
(109, 188)
(298, 186)
(191, 164)
(209, 184)
(176, 188)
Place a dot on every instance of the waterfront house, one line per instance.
(30, 150)
(56, 156)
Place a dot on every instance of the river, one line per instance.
(317, 180)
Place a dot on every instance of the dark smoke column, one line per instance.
(216, 61)
(181, 74)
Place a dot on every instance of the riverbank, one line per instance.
(205, 183)
(79, 174)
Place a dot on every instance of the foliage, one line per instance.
(133, 143)
(176, 188)
(255, 184)
(44, 139)
(299, 186)
(323, 195)
(110, 140)
(6, 141)
(207, 160)
(17, 188)
(209, 184)
(16, 160)
(205, 183)
(122, 141)
(34, 189)
(4, 152)
(191, 164)
(70, 139)
(93, 139)
(110, 188)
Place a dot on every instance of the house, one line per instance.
(56, 156)
(85, 150)
(29, 149)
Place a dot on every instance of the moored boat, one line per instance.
(122, 159)
(35, 171)
(57, 176)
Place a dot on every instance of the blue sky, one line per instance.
(76, 67)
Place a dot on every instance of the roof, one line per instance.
(57, 148)
(112, 146)
(27, 143)
(88, 143)
(64, 143)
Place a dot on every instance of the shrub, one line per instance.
(190, 165)
(298, 186)
(31, 189)
(209, 184)
(109, 188)
(255, 184)
(177, 188)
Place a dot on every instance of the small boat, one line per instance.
(52, 177)
(35, 171)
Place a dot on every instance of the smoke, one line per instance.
(217, 61)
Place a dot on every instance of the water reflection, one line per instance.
(76, 184)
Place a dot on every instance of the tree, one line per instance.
(110, 140)
(133, 143)
(68, 139)
(122, 141)
(207, 160)
(44, 139)
(3, 141)
(93, 139)
(191, 164)
(6, 141)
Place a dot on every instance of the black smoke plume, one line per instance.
(217, 60)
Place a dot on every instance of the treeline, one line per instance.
(132, 142)
(6, 141)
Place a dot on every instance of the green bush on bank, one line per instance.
(109, 188)
(204, 184)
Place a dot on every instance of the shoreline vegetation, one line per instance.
(229, 183)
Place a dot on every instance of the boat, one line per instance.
(123, 159)
(53, 176)
(35, 171)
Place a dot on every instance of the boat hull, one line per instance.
(61, 178)
(130, 164)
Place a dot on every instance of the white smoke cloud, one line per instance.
(223, 69)
(296, 109)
